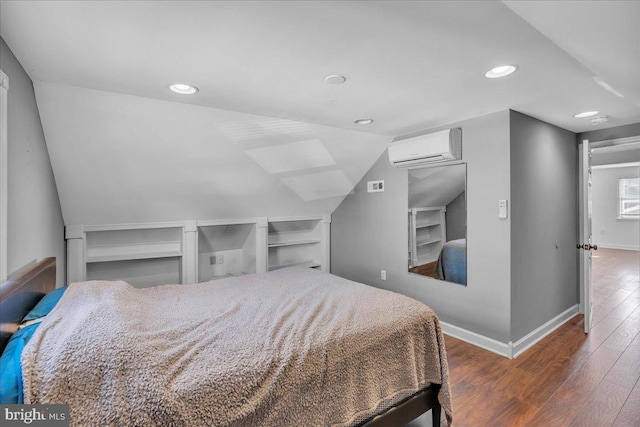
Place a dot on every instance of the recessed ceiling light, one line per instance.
(183, 89)
(501, 71)
(586, 114)
(335, 79)
(363, 121)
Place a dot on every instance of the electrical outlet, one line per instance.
(375, 186)
(212, 259)
(220, 259)
(383, 275)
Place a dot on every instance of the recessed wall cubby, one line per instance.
(299, 241)
(192, 251)
(226, 249)
(141, 254)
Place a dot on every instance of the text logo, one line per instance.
(35, 415)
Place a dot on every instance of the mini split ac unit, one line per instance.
(434, 147)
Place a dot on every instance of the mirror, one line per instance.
(438, 222)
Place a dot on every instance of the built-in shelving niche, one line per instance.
(427, 234)
(232, 246)
(149, 254)
(295, 242)
(142, 257)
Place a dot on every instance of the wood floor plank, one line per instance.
(571, 396)
(558, 346)
(547, 382)
(587, 377)
(623, 335)
(629, 415)
(626, 371)
(600, 332)
(556, 413)
(625, 308)
(511, 384)
(513, 412)
(603, 406)
(568, 378)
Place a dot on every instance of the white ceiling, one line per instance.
(410, 66)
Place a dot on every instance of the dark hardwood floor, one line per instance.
(568, 378)
(428, 269)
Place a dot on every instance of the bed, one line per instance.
(452, 262)
(120, 355)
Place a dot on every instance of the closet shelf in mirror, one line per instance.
(428, 241)
(424, 224)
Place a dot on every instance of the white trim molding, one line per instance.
(616, 246)
(616, 165)
(4, 174)
(510, 350)
(529, 340)
(614, 142)
(478, 340)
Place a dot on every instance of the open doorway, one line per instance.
(616, 231)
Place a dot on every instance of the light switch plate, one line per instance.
(503, 211)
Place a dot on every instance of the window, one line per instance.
(629, 198)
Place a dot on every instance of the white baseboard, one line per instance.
(478, 340)
(614, 246)
(510, 350)
(536, 335)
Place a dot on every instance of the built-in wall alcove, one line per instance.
(226, 250)
(185, 252)
(140, 273)
(295, 242)
(143, 257)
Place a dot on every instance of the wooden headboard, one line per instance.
(19, 295)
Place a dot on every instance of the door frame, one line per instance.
(583, 207)
(584, 235)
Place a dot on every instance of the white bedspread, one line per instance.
(295, 347)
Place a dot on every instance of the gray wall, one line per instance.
(35, 225)
(517, 279)
(456, 217)
(369, 234)
(544, 280)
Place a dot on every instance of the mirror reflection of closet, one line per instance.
(438, 222)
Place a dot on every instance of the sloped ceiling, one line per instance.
(265, 135)
(121, 158)
(432, 187)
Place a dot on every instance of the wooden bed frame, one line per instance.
(20, 295)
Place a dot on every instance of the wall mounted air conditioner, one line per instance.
(419, 150)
